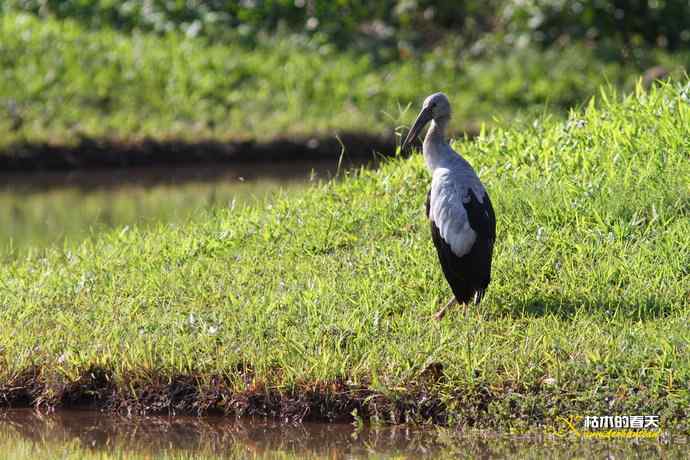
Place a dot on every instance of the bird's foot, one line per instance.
(442, 312)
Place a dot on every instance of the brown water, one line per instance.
(27, 434)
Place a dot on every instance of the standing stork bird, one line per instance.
(463, 224)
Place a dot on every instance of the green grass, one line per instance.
(590, 286)
(61, 82)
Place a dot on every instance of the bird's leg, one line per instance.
(441, 313)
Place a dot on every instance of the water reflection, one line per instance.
(219, 435)
(40, 210)
(208, 173)
(91, 433)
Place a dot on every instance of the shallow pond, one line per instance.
(38, 210)
(26, 434)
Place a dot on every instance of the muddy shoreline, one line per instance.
(213, 395)
(91, 154)
(478, 406)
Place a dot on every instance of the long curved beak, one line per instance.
(422, 119)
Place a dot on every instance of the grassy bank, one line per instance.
(320, 305)
(63, 82)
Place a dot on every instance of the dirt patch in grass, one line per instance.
(100, 154)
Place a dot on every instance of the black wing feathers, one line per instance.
(470, 274)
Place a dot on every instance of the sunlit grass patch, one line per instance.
(333, 290)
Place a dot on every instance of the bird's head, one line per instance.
(435, 107)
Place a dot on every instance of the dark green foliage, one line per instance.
(630, 22)
(390, 22)
(338, 20)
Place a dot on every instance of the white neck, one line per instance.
(436, 148)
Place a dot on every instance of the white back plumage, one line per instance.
(452, 179)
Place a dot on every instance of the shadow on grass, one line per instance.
(646, 308)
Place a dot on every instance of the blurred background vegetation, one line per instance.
(192, 70)
(396, 23)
